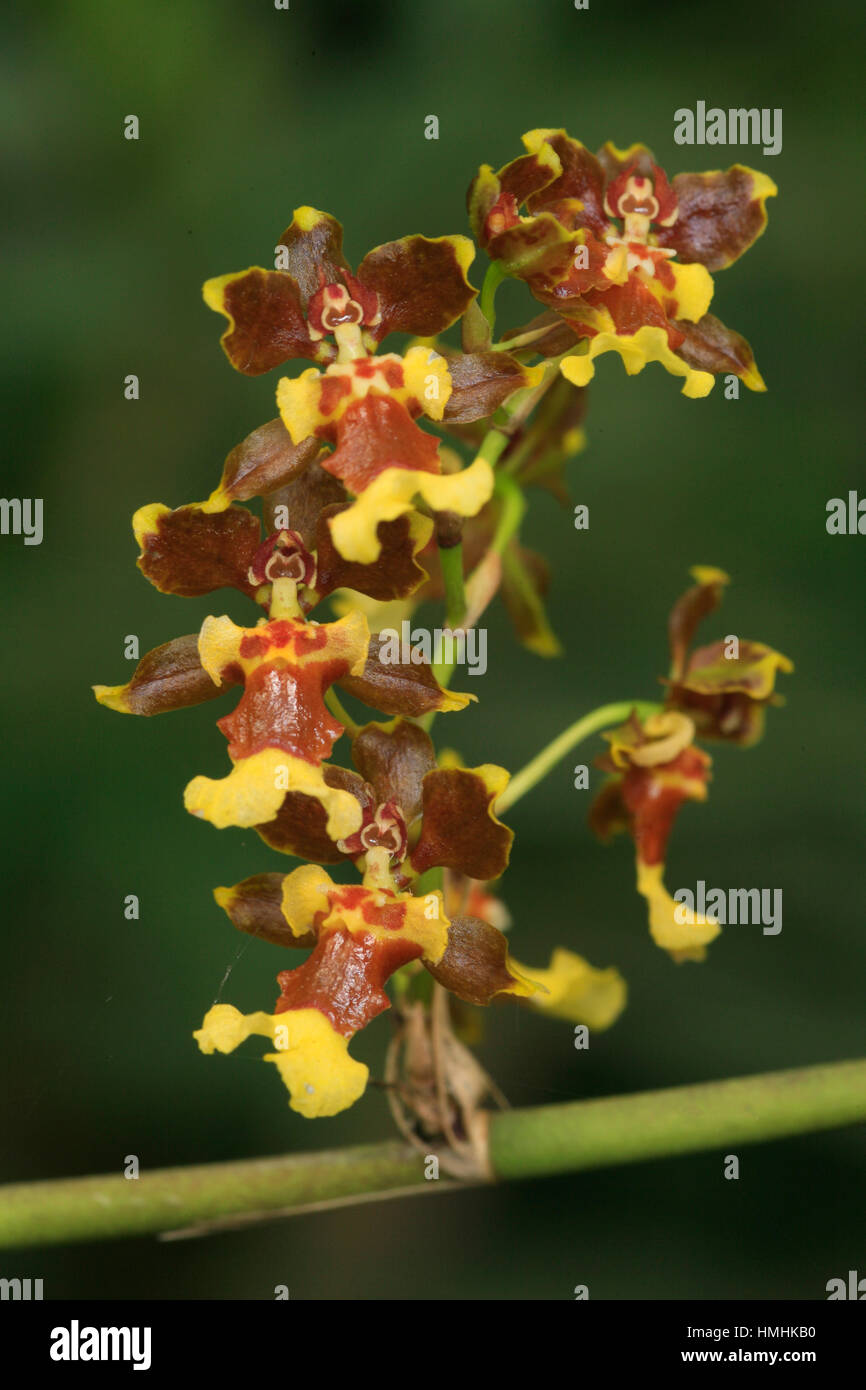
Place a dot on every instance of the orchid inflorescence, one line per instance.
(366, 508)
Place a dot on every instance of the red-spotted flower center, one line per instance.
(641, 202)
(283, 556)
(343, 310)
(383, 828)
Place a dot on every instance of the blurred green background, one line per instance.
(245, 113)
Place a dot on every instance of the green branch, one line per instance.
(451, 561)
(521, 1144)
(492, 280)
(605, 717)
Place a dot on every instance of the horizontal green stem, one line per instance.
(169, 1199)
(522, 1144)
(605, 717)
(513, 508)
(686, 1119)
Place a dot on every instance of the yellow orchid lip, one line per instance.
(648, 344)
(682, 940)
(355, 530)
(315, 401)
(572, 989)
(256, 787)
(312, 1057)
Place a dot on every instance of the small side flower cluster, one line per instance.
(719, 691)
(364, 507)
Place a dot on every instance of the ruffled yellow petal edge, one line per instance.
(682, 940)
(758, 680)
(354, 530)
(576, 990)
(647, 345)
(312, 1058)
(254, 791)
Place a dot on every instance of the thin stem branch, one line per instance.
(451, 561)
(606, 716)
(522, 1144)
(492, 280)
(513, 510)
(685, 1119)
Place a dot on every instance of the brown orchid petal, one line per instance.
(459, 829)
(726, 697)
(395, 758)
(529, 174)
(400, 688)
(582, 178)
(544, 249)
(711, 347)
(378, 433)
(169, 677)
(690, 610)
(481, 382)
(614, 161)
(304, 499)
(608, 815)
(266, 320)
(730, 716)
(191, 552)
(264, 461)
(752, 671)
(482, 193)
(557, 276)
(720, 215)
(299, 827)
(255, 906)
(421, 283)
(344, 977)
(395, 574)
(476, 965)
(653, 796)
(314, 251)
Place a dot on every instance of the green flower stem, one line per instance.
(513, 509)
(687, 1119)
(451, 560)
(605, 717)
(521, 1144)
(492, 280)
(494, 443)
